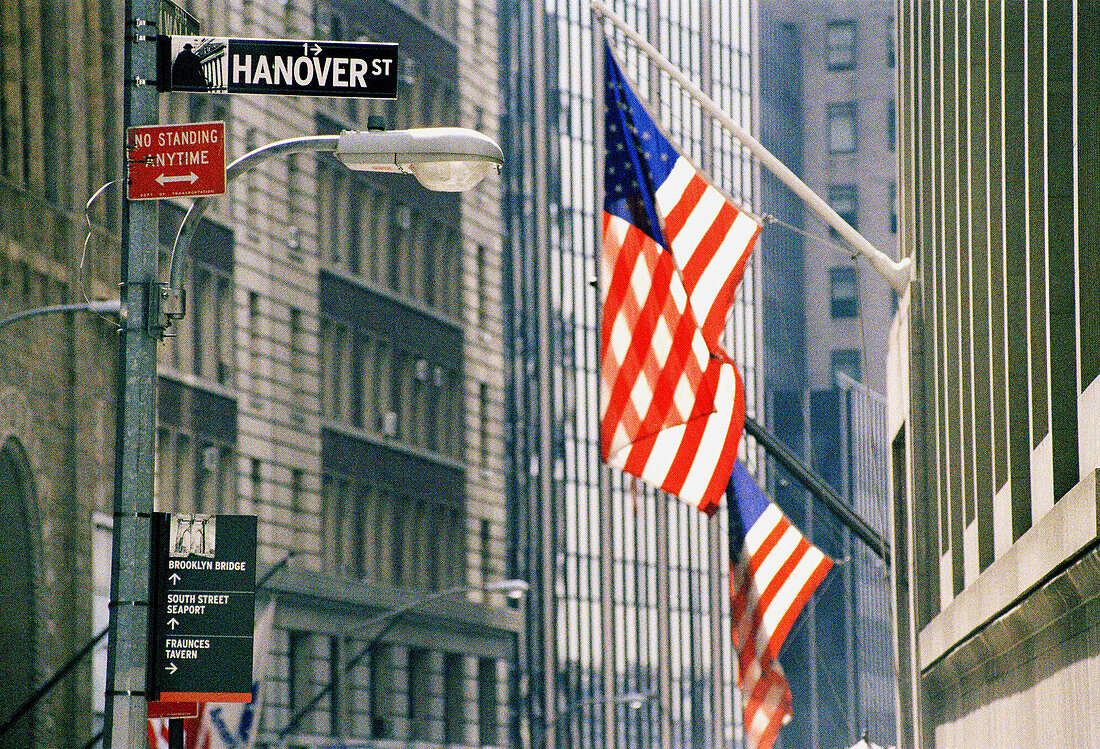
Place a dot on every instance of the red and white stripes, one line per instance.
(672, 400)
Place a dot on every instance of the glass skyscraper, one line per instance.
(627, 640)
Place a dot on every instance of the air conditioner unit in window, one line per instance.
(422, 370)
(409, 72)
(437, 377)
(389, 424)
(403, 216)
(210, 458)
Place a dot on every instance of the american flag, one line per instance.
(675, 249)
(773, 572)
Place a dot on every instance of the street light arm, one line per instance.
(113, 305)
(182, 245)
(633, 699)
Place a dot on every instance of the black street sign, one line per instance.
(201, 624)
(277, 66)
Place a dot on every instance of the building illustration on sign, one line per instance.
(193, 534)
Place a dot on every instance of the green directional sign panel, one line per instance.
(204, 590)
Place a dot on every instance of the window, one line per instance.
(336, 678)
(295, 352)
(298, 677)
(846, 361)
(452, 699)
(841, 120)
(483, 424)
(102, 541)
(893, 207)
(485, 538)
(359, 347)
(891, 126)
(844, 292)
(487, 701)
(890, 59)
(400, 526)
(840, 45)
(195, 472)
(254, 340)
(256, 480)
(844, 199)
(296, 506)
(482, 285)
(400, 225)
(419, 694)
(378, 693)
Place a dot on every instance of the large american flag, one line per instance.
(673, 406)
(773, 572)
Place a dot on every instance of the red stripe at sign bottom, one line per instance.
(206, 696)
(160, 709)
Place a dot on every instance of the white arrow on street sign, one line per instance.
(173, 623)
(163, 178)
(316, 49)
(171, 668)
(174, 577)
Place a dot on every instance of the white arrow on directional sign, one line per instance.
(171, 668)
(173, 623)
(163, 178)
(174, 577)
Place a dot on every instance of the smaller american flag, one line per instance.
(773, 572)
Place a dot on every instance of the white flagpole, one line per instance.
(897, 273)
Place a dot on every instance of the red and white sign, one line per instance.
(176, 161)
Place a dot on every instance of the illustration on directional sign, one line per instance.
(301, 67)
(193, 534)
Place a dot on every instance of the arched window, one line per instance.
(17, 617)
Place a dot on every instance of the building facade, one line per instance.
(338, 375)
(993, 376)
(827, 111)
(630, 590)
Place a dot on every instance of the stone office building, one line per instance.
(993, 376)
(338, 375)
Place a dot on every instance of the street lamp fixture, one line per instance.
(514, 589)
(446, 159)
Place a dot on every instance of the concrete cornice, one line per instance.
(332, 604)
(1050, 572)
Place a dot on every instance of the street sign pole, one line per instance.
(126, 711)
